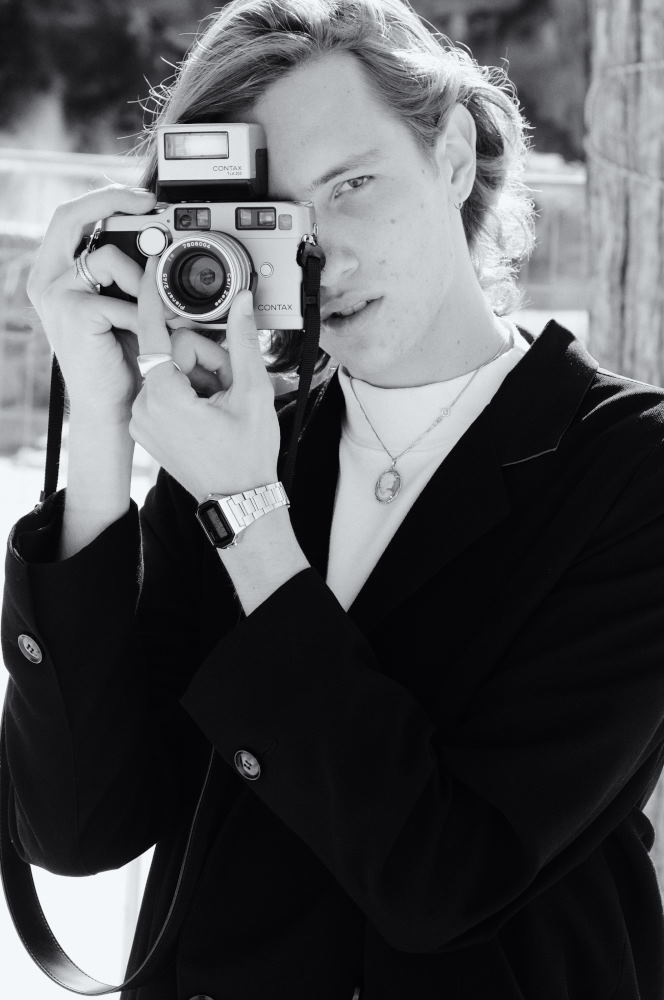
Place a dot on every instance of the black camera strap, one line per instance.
(311, 259)
(20, 892)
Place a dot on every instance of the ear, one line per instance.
(456, 152)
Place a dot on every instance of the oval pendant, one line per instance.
(388, 485)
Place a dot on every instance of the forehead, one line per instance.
(323, 111)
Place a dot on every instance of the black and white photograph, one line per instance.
(332, 491)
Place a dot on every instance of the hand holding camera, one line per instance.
(207, 250)
(98, 366)
(227, 443)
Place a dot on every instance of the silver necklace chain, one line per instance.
(389, 482)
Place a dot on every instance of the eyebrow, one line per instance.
(351, 164)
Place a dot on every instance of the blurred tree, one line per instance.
(625, 145)
(94, 58)
(546, 44)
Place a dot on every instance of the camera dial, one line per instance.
(153, 240)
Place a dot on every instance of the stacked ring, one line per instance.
(84, 272)
(146, 362)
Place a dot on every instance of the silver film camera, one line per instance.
(214, 229)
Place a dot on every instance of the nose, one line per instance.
(341, 261)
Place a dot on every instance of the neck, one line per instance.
(484, 337)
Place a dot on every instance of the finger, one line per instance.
(191, 349)
(63, 235)
(108, 266)
(205, 362)
(204, 382)
(153, 336)
(224, 372)
(217, 372)
(247, 363)
(97, 312)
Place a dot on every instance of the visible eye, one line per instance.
(356, 183)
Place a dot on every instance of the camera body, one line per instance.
(214, 231)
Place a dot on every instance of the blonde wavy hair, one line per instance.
(419, 73)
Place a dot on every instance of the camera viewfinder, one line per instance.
(192, 218)
(256, 218)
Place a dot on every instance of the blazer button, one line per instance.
(29, 648)
(247, 765)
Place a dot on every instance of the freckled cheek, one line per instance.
(376, 255)
(408, 229)
(392, 244)
(397, 261)
(389, 269)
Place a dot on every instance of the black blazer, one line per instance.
(452, 773)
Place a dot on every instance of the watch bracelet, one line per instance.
(249, 505)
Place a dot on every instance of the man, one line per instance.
(434, 682)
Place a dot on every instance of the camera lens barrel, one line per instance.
(199, 276)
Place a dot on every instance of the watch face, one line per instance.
(215, 524)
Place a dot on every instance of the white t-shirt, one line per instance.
(361, 526)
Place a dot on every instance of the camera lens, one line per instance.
(201, 276)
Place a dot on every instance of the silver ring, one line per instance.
(146, 362)
(84, 272)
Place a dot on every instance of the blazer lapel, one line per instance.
(316, 472)
(467, 495)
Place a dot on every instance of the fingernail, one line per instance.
(142, 191)
(247, 304)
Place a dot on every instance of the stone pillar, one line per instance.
(625, 146)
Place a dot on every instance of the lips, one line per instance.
(344, 307)
(358, 308)
(349, 312)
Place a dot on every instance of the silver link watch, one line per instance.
(224, 517)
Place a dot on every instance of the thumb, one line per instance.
(247, 363)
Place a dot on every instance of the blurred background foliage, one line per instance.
(75, 81)
(91, 62)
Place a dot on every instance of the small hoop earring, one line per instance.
(459, 205)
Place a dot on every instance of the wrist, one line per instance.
(225, 516)
(266, 556)
(97, 420)
(238, 486)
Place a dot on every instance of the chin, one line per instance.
(368, 367)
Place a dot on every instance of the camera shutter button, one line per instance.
(153, 240)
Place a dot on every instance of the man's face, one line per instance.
(384, 221)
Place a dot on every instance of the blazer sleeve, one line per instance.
(439, 836)
(101, 755)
